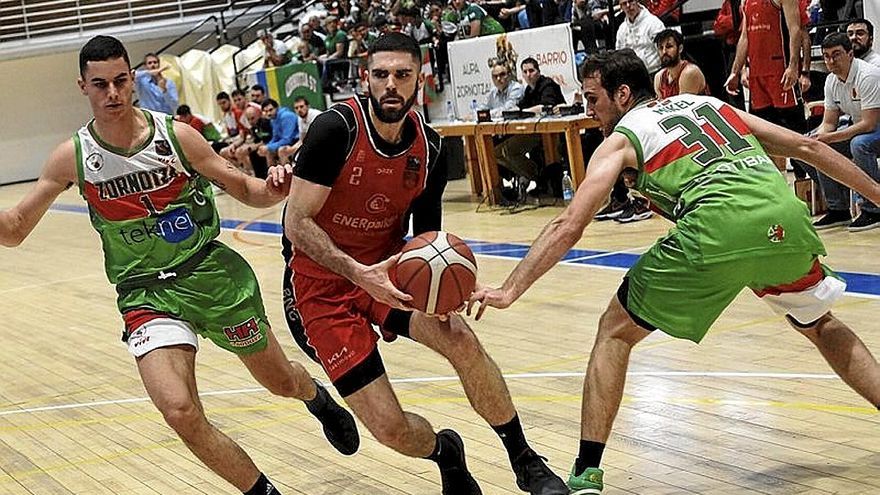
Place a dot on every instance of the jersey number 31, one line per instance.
(711, 144)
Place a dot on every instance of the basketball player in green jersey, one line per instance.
(146, 179)
(706, 167)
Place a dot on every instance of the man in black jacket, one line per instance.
(540, 92)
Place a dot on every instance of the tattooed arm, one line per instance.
(249, 190)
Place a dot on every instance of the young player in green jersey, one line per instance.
(146, 180)
(706, 167)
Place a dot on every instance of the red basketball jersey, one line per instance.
(365, 212)
(768, 38)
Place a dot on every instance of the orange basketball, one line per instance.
(438, 270)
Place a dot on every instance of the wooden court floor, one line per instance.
(753, 409)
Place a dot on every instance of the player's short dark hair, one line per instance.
(237, 92)
(669, 33)
(183, 110)
(257, 87)
(299, 99)
(837, 39)
(619, 67)
(396, 42)
(865, 22)
(530, 60)
(269, 102)
(101, 48)
(223, 95)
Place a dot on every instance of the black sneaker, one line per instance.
(833, 218)
(533, 476)
(865, 221)
(612, 210)
(635, 211)
(456, 479)
(339, 426)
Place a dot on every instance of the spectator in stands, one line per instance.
(245, 152)
(774, 67)
(540, 92)
(584, 26)
(473, 20)
(258, 95)
(276, 52)
(678, 75)
(336, 40)
(231, 115)
(507, 91)
(637, 32)
(358, 45)
(305, 116)
(414, 26)
(315, 23)
(204, 126)
(314, 45)
(861, 35)
(155, 91)
(241, 103)
(852, 87)
(285, 130)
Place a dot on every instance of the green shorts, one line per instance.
(219, 298)
(683, 298)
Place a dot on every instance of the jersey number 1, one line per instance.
(694, 134)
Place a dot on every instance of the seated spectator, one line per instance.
(204, 126)
(241, 104)
(276, 52)
(305, 116)
(507, 91)
(861, 35)
(315, 23)
(336, 40)
(258, 95)
(584, 27)
(358, 45)
(311, 45)
(245, 152)
(232, 115)
(678, 75)
(285, 130)
(852, 87)
(637, 32)
(473, 20)
(516, 152)
(155, 91)
(414, 26)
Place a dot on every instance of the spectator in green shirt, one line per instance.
(335, 41)
(473, 20)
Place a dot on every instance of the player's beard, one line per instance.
(392, 116)
(667, 62)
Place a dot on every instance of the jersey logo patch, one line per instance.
(411, 172)
(163, 148)
(776, 233)
(244, 334)
(95, 162)
(377, 203)
(175, 226)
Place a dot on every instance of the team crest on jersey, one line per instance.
(377, 203)
(411, 172)
(776, 233)
(95, 162)
(163, 148)
(244, 334)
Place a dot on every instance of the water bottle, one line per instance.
(474, 109)
(567, 188)
(450, 111)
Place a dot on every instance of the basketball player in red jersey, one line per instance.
(771, 40)
(366, 167)
(678, 75)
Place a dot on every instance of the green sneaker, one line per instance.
(588, 483)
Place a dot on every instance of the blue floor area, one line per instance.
(857, 283)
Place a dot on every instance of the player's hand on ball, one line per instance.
(375, 280)
(488, 296)
(278, 179)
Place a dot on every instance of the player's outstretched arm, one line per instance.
(58, 174)
(610, 159)
(305, 201)
(780, 141)
(249, 190)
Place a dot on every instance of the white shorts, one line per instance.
(810, 304)
(161, 332)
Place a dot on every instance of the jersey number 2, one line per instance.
(694, 134)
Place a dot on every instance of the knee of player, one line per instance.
(462, 341)
(184, 416)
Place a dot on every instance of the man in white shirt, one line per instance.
(861, 34)
(506, 93)
(276, 51)
(638, 31)
(305, 116)
(853, 88)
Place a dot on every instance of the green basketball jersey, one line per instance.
(151, 209)
(701, 167)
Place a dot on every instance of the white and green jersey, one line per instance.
(701, 167)
(151, 209)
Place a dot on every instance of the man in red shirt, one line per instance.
(366, 167)
(678, 75)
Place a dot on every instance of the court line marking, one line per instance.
(434, 379)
